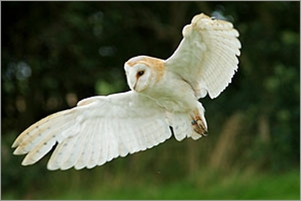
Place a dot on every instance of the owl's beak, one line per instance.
(134, 87)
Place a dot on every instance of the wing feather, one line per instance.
(98, 130)
(64, 157)
(87, 149)
(207, 55)
(95, 146)
(91, 158)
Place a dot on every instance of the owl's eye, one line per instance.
(140, 73)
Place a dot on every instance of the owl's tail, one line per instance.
(183, 126)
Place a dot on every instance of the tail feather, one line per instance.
(181, 125)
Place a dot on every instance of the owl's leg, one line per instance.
(199, 126)
(198, 122)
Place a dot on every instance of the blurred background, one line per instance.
(54, 54)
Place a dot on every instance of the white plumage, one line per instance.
(163, 93)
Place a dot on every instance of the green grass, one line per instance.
(233, 187)
(202, 186)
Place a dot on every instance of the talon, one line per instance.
(202, 125)
(205, 133)
(199, 126)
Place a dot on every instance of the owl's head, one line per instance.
(143, 72)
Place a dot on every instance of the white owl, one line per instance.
(164, 94)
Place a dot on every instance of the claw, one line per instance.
(199, 126)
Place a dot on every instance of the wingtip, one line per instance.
(200, 16)
(26, 161)
(16, 152)
(14, 145)
(214, 95)
(19, 151)
(17, 141)
(186, 30)
(51, 167)
(204, 21)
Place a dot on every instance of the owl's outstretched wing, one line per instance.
(97, 130)
(206, 57)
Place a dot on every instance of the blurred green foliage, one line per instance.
(56, 53)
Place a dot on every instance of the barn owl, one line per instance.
(162, 100)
